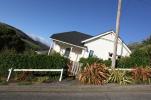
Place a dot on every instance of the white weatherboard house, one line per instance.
(76, 45)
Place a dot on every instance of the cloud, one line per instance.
(39, 38)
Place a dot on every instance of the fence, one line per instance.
(33, 70)
(74, 68)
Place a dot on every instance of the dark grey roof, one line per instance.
(72, 37)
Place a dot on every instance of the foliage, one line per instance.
(30, 45)
(141, 75)
(31, 61)
(139, 57)
(8, 52)
(23, 76)
(36, 77)
(120, 77)
(147, 50)
(42, 79)
(134, 46)
(3, 82)
(91, 60)
(107, 63)
(10, 40)
(125, 62)
(147, 41)
(94, 74)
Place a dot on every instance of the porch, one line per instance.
(73, 52)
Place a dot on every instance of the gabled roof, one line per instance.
(97, 36)
(72, 37)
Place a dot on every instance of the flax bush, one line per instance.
(141, 75)
(120, 77)
(94, 74)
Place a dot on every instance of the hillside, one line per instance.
(28, 41)
(145, 44)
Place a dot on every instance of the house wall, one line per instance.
(103, 45)
(75, 53)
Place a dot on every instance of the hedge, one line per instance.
(131, 62)
(91, 60)
(139, 58)
(31, 61)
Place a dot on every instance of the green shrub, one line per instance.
(92, 60)
(107, 63)
(31, 61)
(120, 77)
(139, 58)
(125, 62)
(89, 60)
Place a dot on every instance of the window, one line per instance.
(110, 54)
(91, 53)
(119, 57)
(67, 52)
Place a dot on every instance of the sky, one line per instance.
(42, 18)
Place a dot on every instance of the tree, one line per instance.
(10, 40)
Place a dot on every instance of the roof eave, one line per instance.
(100, 35)
(68, 43)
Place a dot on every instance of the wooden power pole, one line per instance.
(117, 34)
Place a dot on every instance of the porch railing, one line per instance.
(74, 68)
